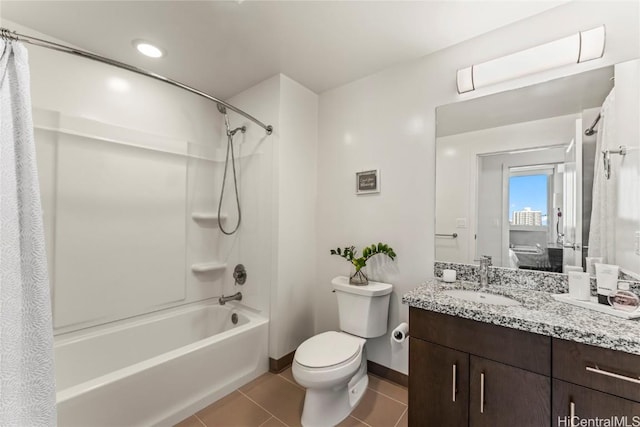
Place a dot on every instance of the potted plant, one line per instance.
(350, 254)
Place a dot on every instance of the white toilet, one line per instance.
(333, 365)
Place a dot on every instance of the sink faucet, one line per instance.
(235, 297)
(485, 263)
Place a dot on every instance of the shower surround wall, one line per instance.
(125, 162)
(277, 179)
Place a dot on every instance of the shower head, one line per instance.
(590, 132)
(222, 109)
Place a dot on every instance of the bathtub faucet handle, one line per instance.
(240, 274)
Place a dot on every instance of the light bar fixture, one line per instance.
(579, 47)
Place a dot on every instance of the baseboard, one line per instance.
(388, 373)
(279, 365)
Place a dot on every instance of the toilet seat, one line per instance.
(328, 350)
(328, 359)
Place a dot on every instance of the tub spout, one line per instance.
(235, 297)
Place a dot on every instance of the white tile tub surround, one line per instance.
(159, 368)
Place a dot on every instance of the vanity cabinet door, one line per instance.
(505, 396)
(586, 404)
(438, 385)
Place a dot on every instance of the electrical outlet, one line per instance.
(637, 244)
(461, 222)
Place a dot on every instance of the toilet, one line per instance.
(333, 365)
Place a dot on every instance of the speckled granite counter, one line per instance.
(539, 314)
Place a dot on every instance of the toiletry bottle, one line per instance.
(607, 279)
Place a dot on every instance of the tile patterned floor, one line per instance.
(276, 401)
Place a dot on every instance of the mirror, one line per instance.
(515, 173)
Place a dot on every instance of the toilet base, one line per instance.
(328, 407)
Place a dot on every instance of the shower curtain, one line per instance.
(27, 387)
(602, 236)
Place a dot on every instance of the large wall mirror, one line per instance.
(516, 174)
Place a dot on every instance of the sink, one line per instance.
(481, 297)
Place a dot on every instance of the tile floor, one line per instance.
(276, 400)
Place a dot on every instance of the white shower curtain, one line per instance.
(27, 387)
(602, 236)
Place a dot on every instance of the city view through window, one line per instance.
(528, 200)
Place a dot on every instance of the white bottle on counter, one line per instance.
(607, 280)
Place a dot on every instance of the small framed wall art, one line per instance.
(368, 182)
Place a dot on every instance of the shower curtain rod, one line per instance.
(6, 34)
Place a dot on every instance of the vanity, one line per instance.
(535, 364)
(519, 180)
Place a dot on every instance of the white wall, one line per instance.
(387, 121)
(292, 319)
(290, 258)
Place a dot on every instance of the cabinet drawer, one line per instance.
(525, 350)
(611, 371)
(584, 403)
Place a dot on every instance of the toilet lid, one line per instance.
(327, 349)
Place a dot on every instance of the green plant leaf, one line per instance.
(350, 254)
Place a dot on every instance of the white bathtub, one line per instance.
(157, 369)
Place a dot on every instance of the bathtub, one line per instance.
(157, 369)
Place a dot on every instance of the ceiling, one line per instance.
(224, 47)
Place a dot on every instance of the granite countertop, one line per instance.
(539, 313)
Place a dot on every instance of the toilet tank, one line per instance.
(363, 310)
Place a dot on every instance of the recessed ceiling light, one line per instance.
(147, 49)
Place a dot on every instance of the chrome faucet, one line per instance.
(235, 297)
(485, 263)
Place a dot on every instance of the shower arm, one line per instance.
(6, 34)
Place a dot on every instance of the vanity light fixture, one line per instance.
(579, 47)
(148, 49)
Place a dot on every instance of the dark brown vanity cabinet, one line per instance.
(466, 373)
